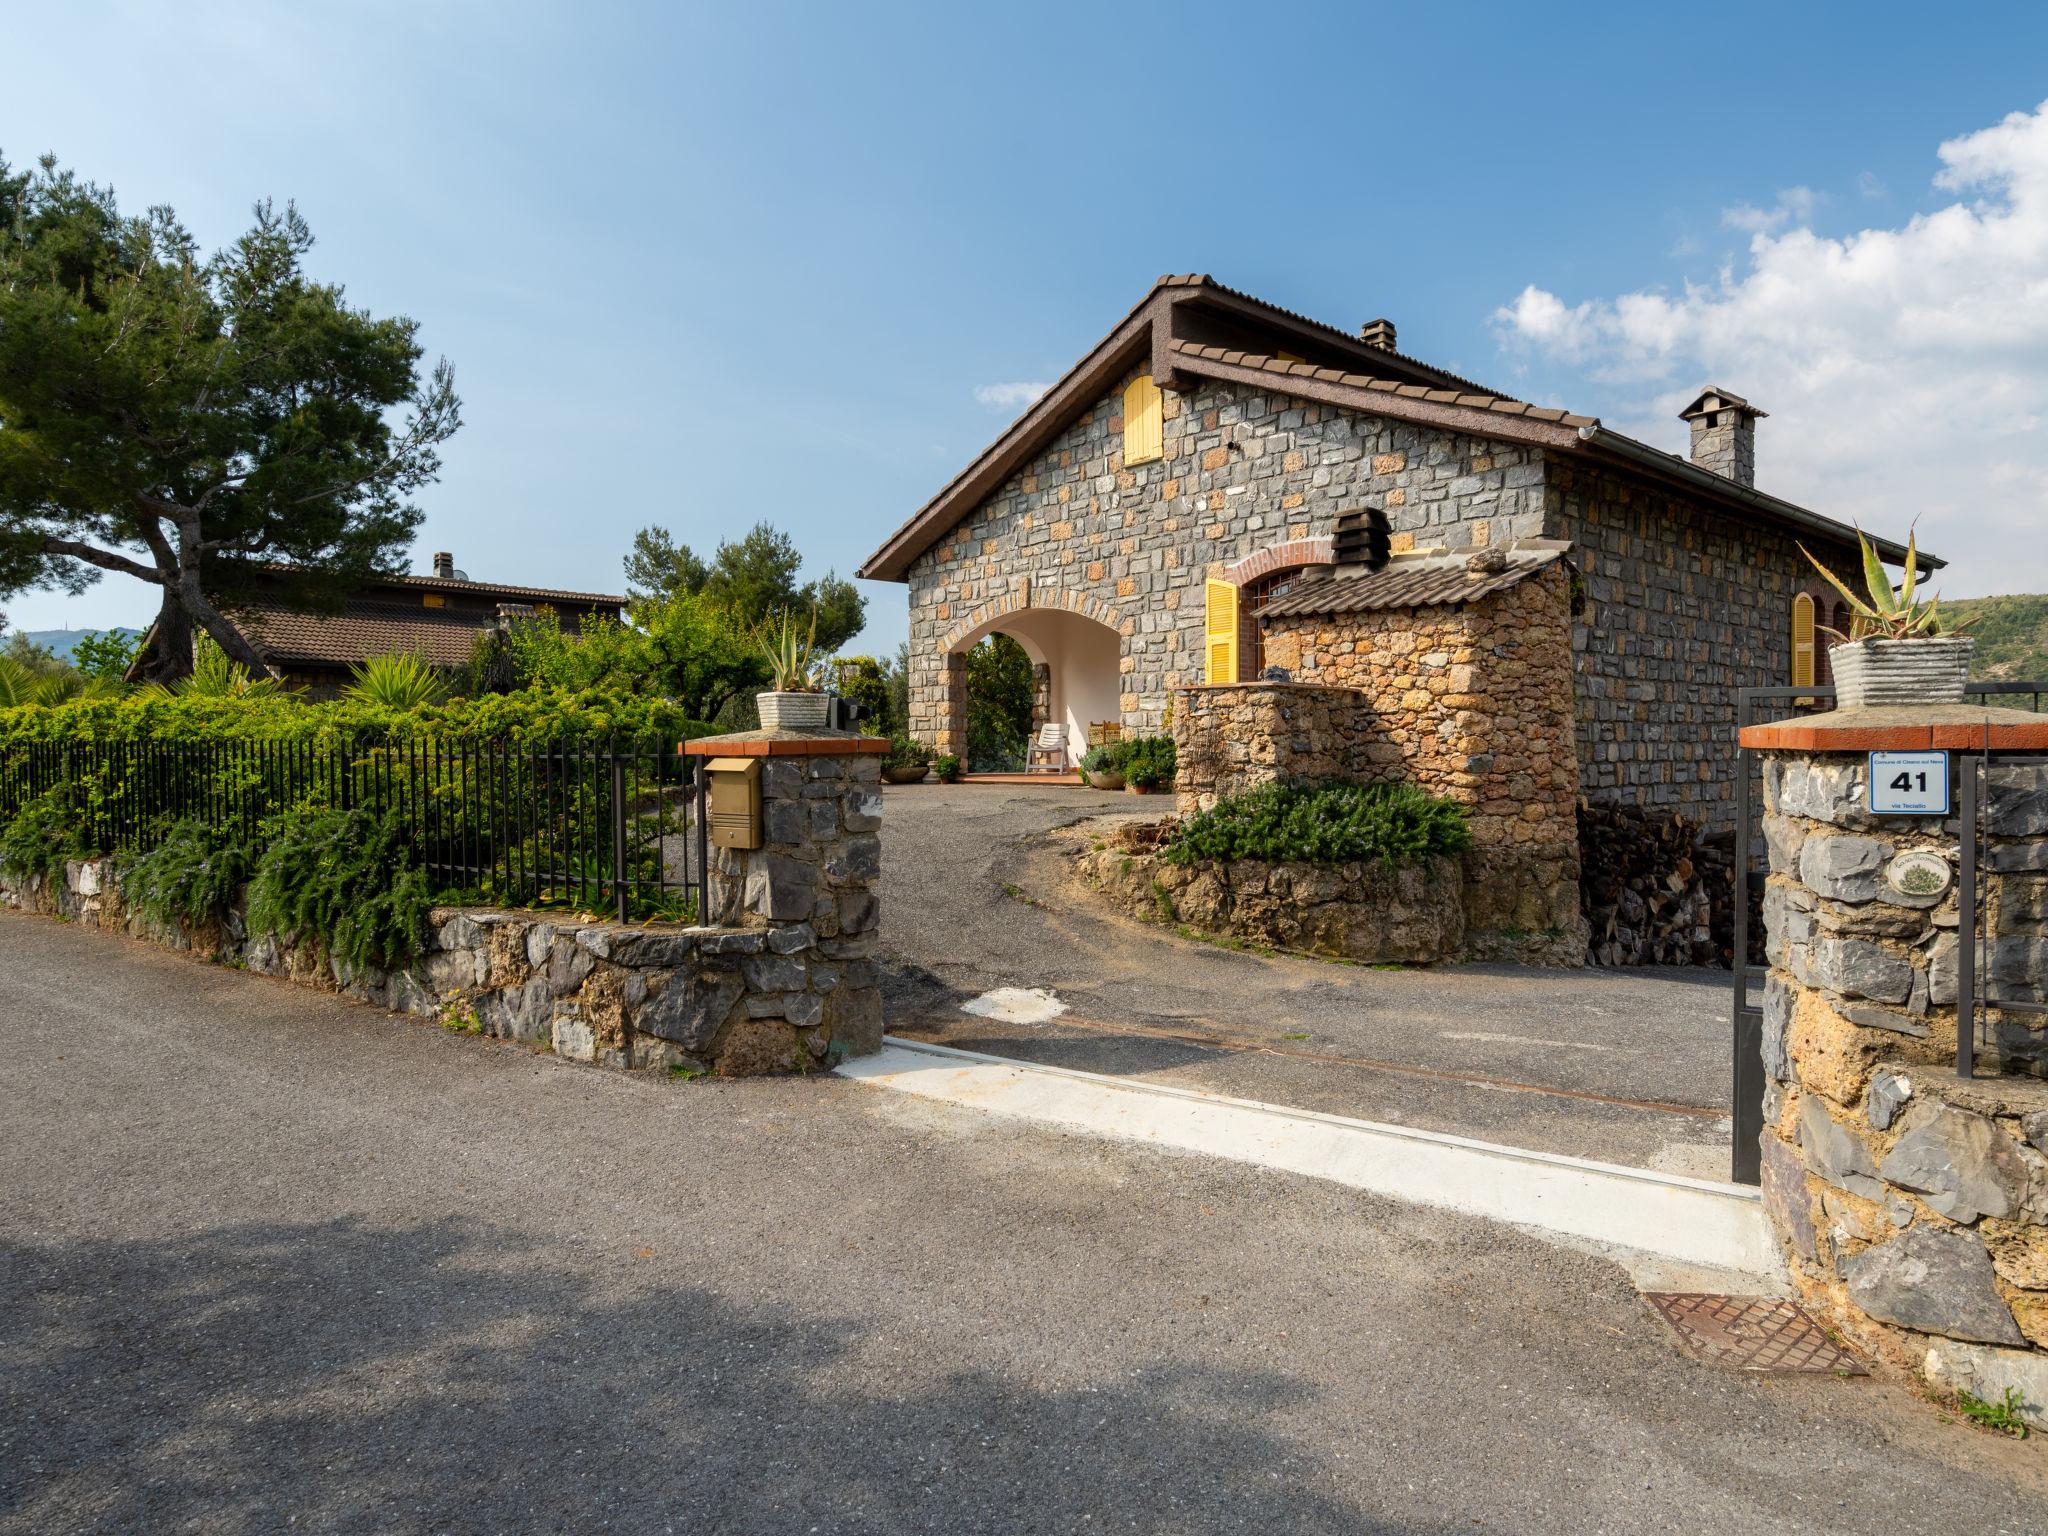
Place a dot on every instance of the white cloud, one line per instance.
(1905, 369)
(1795, 206)
(1014, 396)
(1870, 184)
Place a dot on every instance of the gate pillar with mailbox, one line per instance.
(795, 848)
(1902, 1118)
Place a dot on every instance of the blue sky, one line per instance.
(702, 266)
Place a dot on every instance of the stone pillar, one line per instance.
(1041, 701)
(811, 886)
(1912, 1203)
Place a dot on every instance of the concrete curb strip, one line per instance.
(1693, 1221)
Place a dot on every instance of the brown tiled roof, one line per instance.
(1431, 581)
(487, 591)
(443, 636)
(1474, 399)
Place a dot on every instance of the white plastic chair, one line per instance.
(1048, 754)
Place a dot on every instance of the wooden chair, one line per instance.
(1103, 732)
(1048, 754)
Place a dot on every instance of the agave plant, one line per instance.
(793, 662)
(402, 680)
(217, 676)
(1886, 612)
(21, 684)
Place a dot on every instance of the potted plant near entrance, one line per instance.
(907, 762)
(1898, 649)
(1148, 764)
(797, 700)
(1102, 768)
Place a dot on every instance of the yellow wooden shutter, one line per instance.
(1802, 641)
(1144, 426)
(1219, 637)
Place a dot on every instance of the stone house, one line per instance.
(1568, 610)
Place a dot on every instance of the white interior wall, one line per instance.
(1085, 658)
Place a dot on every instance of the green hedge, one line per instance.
(1330, 824)
(531, 717)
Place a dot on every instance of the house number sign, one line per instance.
(1909, 783)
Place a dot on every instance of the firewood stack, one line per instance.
(1654, 888)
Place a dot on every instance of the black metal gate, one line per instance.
(1754, 706)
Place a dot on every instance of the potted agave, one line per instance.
(1898, 649)
(797, 701)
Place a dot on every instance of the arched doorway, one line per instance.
(1077, 670)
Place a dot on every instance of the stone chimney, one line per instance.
(1378, 333)
(444, 565)
(1724, 434)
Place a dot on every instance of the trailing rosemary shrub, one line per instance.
(1330, 824)
(190, 877)
(42, 835)
(347, 880)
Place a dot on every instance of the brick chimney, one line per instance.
(1724, 434)
(1378, 333)
(444, 565)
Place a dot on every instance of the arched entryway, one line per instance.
(1077, 665)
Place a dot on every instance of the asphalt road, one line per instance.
(273, 1261)
(976, 895)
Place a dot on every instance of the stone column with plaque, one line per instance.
(1905, 915)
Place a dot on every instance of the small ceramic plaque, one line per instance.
(1918, 873)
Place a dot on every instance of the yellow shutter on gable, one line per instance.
(1219, 634)
(1802, 641)
(1144, 424)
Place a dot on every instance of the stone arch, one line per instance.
(984, 617)
(1319, 550)
(1078, 665)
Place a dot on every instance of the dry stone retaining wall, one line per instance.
(786, 980)
(1471, 702)
(1913, 1203)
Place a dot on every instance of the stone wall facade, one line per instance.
(1130, 547)
(784, 980)
(1683, 605)
(1912, 1203)
(1471, 703)
(1685, 602)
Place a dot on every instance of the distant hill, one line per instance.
(60, 641)
(2011, 632)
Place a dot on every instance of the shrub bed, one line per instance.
(1326, 824)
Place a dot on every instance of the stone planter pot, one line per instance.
(903, 773)
(1106, 779)
(1888, 672)
(794, 711)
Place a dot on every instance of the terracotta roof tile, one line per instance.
(1479, 402)
(1429, 582)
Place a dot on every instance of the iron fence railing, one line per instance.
(614, 827)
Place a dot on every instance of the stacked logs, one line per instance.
(1655, 890)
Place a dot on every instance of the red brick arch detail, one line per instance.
(1017, 602)
(1320, 550)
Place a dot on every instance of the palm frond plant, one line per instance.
(402, 680)
(215, 675)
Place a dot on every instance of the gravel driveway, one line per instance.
(1624, 1066)
(271, 1261)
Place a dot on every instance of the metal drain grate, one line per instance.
(1751, 1333)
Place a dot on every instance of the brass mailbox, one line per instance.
(735, 801)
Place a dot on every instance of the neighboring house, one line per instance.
(437, 617)
(1173, 506)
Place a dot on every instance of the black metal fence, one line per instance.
(610, 826)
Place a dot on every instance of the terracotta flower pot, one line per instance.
(1930, 670)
